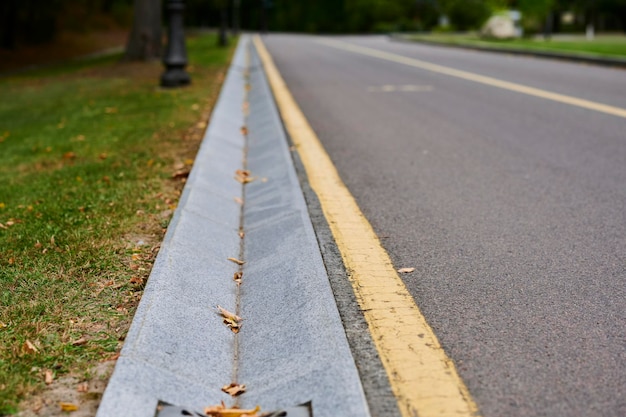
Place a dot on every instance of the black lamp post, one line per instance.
(175, 59)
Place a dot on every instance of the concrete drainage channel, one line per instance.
(242, 201)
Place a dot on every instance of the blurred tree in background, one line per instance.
(466, 14)
(36, 21)
(145, 39)
(39, 21)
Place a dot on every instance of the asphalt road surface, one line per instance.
(511, 207)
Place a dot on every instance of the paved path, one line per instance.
(511, 206)
(242, 239)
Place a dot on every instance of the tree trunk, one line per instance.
(144, 42)
(223, 37)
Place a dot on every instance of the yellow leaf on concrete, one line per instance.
(233, 389)
(243, 176)
(228, 315)
(68, 406)
(222, 411)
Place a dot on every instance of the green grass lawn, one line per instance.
(607, 46)
(87, 156)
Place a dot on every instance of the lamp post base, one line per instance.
(175, 77)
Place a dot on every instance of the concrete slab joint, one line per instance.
(240, 239)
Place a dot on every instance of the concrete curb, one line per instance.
(585, 59)
(292, 347)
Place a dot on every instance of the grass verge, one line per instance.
(93, 158)
(602, 46)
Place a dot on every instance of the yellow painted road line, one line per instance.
(423, 379)
(494, 82)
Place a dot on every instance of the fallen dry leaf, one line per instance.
(406, 270)
(239, 200)
(244, 130)
(232, 325)
(136, 281)
(48, 377)
(112, 358)
(69, 155)
(227, 314)
(243, 176)
(110, 110)
(233, 389)
(79, 342)
(237, 277)
(244, 180)
(242, 235)
(237, 261)
(222, 411)
(29, 348)
(68, 406)
(181, 173)
(231, 320)
(83, 387)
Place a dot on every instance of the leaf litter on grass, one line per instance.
(84, 172)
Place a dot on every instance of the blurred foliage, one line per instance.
(31, 21)
(39, 21)
(365, 16)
